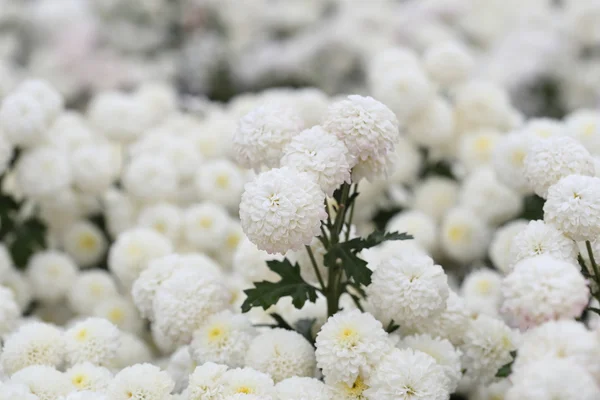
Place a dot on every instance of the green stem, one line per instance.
(588, 246)
(323, 238)
(341, 213)
(316, 268)
(332, 297)
(351, 213)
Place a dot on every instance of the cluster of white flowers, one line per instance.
(134, 223)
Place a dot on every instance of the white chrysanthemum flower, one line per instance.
(450, 324)
(9, 311)
(43, 172)
(435, 196)
(150, 178)
(406, 375)
(49, 98)
(119, 116)
(160, 269)
(184, 301)
(475, 150)
(488, 343)
(181, 365)
(20, 286)
(89, 289)
(12, 391)
(448, 63)
(553, 379)
(444, 353)
(247, 381)
(85, 395)
(130, 253)
(543, 288)
(281, 210)
(141, 381)
(321, 154)
(133, 350)
(282, 354)
(405, 163)
(552, 159)
(564, 339)
(6, 153)
(502, 242)
(70, 130)
(120, 211)
(45, 382)
(165, 218)
(373, 168)
(23, 119)
(51, 274)
(34, 343)
(367, 127)
(85, 243)
(404, 89)
(481, 188)
(223, 338)
(89, 377)
(220, 181)
(350, 344)
(482, 105)
(481, 290)
(573, 207)
(389, 59)
(205, 382)
(544, 128)
(94, 167)
(433, 125)
(539, 238)
(584, 125)
(204, 225)
(251, 263)
(408, 289)
(352, 391)
(93, 340)
(263, 133)
(419, 225)
(464, 236)
(302, 388)
(508, 160)
(121, 311)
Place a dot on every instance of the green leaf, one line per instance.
(374, 239)
(27, 239)
(392, 327)
(281, 323)
(506, 369)
(592, 309)
(265, 294)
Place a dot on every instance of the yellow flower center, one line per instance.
(244, 389)
(483, 144)
(96, 289)
(134, 250)
(215, 333)
(79, 380)
(222, 181)
(87, 241)
(160, 227)
(589, 129)
(205, 222)
(484, 286)
(349, 336)
(233, 240)
(357, 388)
(116, 315)
(518, 156)
(457, 233)
(81, 335)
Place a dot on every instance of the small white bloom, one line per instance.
(476, 149)
(89, 289)
(302, 388)
(502, 241)
(85, 243)
(93, 340)
(43, 172)
(94, 167)
(141, 381)
(150, 178)
(433, 125)
(419, 225)
(89, 377)
(508, 160)
(204, 225)
(51, 274)
(43, 381)
(464, 236)
(481, 290)
(448, 63)
(220, 181)
(247, 381)
(165, 218)
(435, 196)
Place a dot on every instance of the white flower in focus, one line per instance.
(350, 344)
(220, 181)
(302, 388)
(406, 375)
(150, 178)
(419, 225)
(51, 274)
(263, 133)
(130, 253)
(564, 339)
(464, 236)
(282, 354)
(543, 288)
(141, 381)
(553, 379)
(85, 243)
(89, 377)
(204, 225)
(373, 168)
(184, 301)
(443, 352)
(408, 289)
(43, 172)
(23, 120)
(573, 207)
(552, 159)
(93, 340)
(367, 127)
(448, 63)
(321, 154)
(502, 242)
(205, 382)
(281, 210)
(34, 343)
(538, 238)
(45, 382)
(488, 343)
(89, 289)
(223, 338)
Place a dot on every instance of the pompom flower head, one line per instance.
(281, 210)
